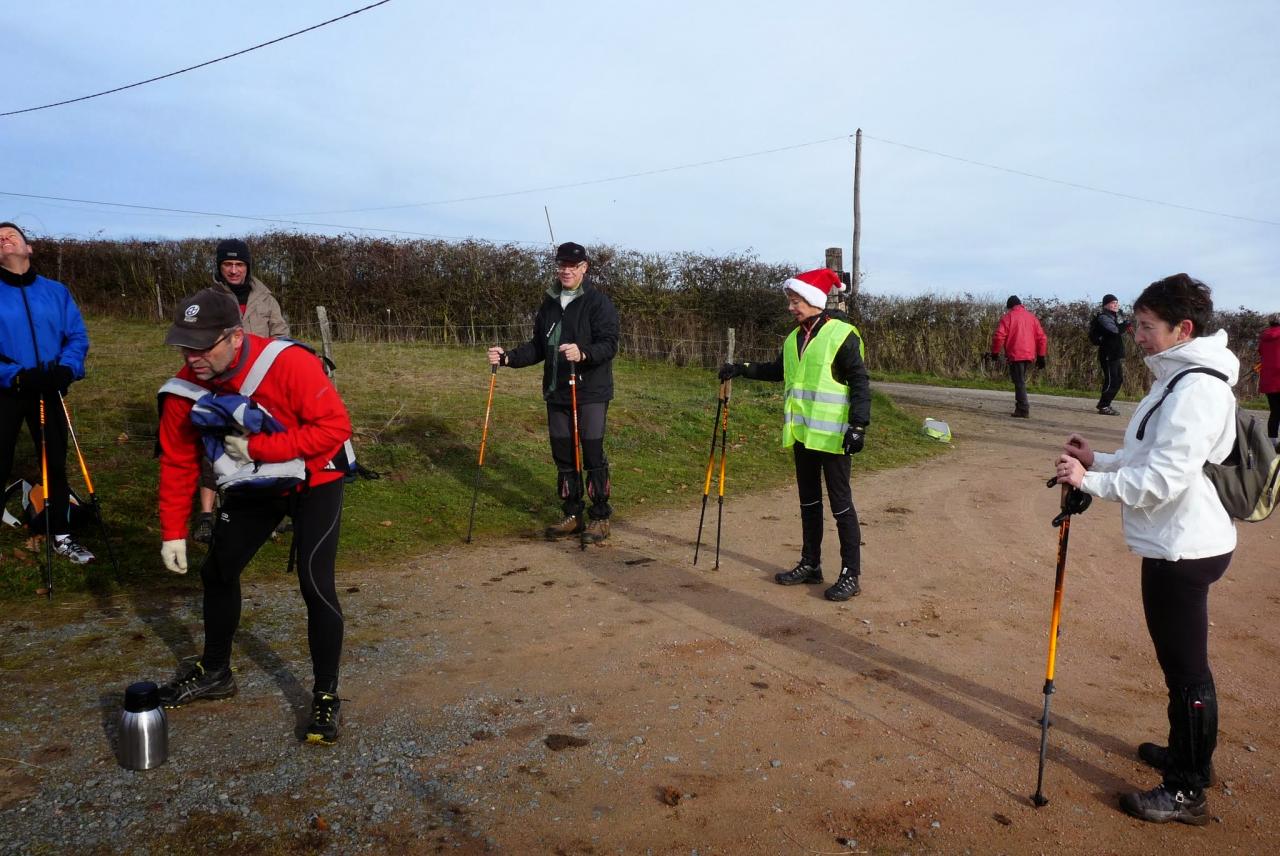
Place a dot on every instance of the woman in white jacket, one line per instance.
(1174, 521)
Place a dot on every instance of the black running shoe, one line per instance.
(195, 683)
(801, 573)
(323, 728)
(846, 586)
(1161, 805)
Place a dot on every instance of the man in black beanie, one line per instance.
(1022, 339)
(1107, 330)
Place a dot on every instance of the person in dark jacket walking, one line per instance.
(576, 324)
(826, 411)
(1107, 332)
(1022, 339)
(43, 345)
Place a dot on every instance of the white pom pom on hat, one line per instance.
(815, 285)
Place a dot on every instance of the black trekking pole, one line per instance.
(724, 453)
(1074, 501)
(88, 483)
(48, 507)
(577, 444)
(484, 436)
(706, 484)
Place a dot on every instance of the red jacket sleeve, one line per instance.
(180, 454)
(1042, 341)
(1002, 333)
(316, 419)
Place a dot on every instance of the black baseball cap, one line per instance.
(200, 320)
(571, 253)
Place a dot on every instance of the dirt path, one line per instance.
(527, 697)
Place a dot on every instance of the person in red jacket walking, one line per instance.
(289, 382)
(1022, 339)
(1269, 374)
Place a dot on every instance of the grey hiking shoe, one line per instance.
(323, 728)
(1161, 805)
(69, 549)
(194, 683)
(570, 525)
(846, 586)
(803, 572)
(1108, 411)
(596, 531)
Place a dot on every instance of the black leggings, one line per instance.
(243, 526)
(16, 409)
(595, 465)
(1273, 421)
(811, 468)
(1112, 380)
(1175, 598)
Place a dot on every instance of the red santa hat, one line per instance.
(814, 286)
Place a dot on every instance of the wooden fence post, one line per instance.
(326, 339)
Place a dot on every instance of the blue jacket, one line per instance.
(59, 329)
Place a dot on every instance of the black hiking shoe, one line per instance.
(1161, 805)
(570, 525)
(846, 586)
(1157, 757)
(195, 683)
(1108, 411)
(801, 573)
(202, 532)
(596, 531)
(1021, 414)
(323, 728)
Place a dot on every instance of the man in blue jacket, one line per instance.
(43, 343)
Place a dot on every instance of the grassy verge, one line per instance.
(418, 412)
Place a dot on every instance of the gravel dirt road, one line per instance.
(524, 697)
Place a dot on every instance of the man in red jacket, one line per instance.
(1022, 339)
(289, 382)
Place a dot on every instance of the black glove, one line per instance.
(57, 378)
(1040, 362)
(729, 371)
(854, 437)
(202, 532)
(27, 380)
(988, 357)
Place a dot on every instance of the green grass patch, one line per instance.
(418, 411)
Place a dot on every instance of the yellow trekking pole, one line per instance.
(88, 483)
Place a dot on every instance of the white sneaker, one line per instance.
(64, 546)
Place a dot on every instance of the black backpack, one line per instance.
(1097, 335)
(1248, 480)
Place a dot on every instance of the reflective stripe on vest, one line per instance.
(816, 406)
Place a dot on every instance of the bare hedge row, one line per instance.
(673, 306)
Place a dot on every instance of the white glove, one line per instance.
(174, 555)
(237, 446)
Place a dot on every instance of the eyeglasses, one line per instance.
(568, 265)
(200, 352)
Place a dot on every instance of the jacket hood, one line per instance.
(1208, 351)
(1269, 334)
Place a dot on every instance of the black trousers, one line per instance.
(1112, 380)
(1018, 374)
(595, 466)
(811, 468)
(16, 409)
(1175, 599)
(242, 527)
(1273, 420)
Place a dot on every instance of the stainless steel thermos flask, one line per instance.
(144, 730)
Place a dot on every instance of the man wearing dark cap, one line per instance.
(574, 333)
(43, 344)
(1022, 339)
(1107, 332)
(260, 315)
(311, 435)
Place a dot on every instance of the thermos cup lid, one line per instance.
(142, 696)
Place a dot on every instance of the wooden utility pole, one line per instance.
(857, 217)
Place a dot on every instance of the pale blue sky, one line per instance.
(420, 102)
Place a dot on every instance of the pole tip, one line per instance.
(1039, 801)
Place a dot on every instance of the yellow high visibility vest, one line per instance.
(815, 410)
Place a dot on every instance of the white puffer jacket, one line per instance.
(1171, 510)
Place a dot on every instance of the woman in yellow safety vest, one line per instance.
(826, 411)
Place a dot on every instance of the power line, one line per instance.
(1074, 184)
(574, 184)
(194, 67)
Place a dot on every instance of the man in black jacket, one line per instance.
(1107, 332)
(578, 325)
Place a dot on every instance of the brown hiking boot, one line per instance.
(596, 531)
(570, 525)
